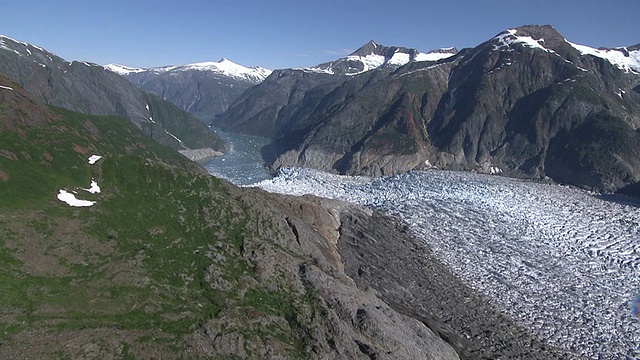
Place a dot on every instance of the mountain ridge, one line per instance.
(510, 105)
(203, 89)
(89, 88)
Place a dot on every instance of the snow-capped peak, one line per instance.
(509, 37)
(122, 69)
(373, 56)
(623, 58)
(224, 66)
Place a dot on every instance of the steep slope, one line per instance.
(202, 89)
(115, 246)
(89, 88)
(527, 103)
(272, 107)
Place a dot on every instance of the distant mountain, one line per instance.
(527, 102)
(282, 102)
(373, 56)
(203, 89)
(89, 88)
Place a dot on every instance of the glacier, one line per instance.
(563, 262)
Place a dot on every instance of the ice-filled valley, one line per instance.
(563, 262)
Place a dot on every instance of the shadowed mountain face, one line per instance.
(91, 89)
(525, 103)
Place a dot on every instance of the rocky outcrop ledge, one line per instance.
(200, 154)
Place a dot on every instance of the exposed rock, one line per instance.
(200, 154)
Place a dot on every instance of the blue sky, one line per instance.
(287, 33)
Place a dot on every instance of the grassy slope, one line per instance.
(159, 256)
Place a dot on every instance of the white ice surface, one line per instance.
(71, 199)
(560, 261)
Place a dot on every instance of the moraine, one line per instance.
(563, 262)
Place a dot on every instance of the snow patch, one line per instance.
(123, 70)
(399, 59)
(6, 88)
(626, 60)
(173, 136)
(71, 199)
(509, 37)
(93, 158)
(94, 188)
(435, 55)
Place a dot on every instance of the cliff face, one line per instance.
(526, 103)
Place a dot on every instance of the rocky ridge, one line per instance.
(89, 88)
(525, 103)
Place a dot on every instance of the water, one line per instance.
(242, 165)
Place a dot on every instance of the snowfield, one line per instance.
(563, 262)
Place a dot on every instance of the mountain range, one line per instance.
(203, 89)
(115, 246)
(89, 88)
(525, 103)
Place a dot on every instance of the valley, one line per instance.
(388, 204)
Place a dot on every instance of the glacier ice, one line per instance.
(563, 262)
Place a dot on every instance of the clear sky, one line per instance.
(288, 33)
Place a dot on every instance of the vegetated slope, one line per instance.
(202, 89)
(89, 88)
(168, 261)
(526, 102)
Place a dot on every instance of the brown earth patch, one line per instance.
(8, 154)
(4, 176)
(80, 149)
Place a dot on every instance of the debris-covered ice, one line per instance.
(563, 262)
